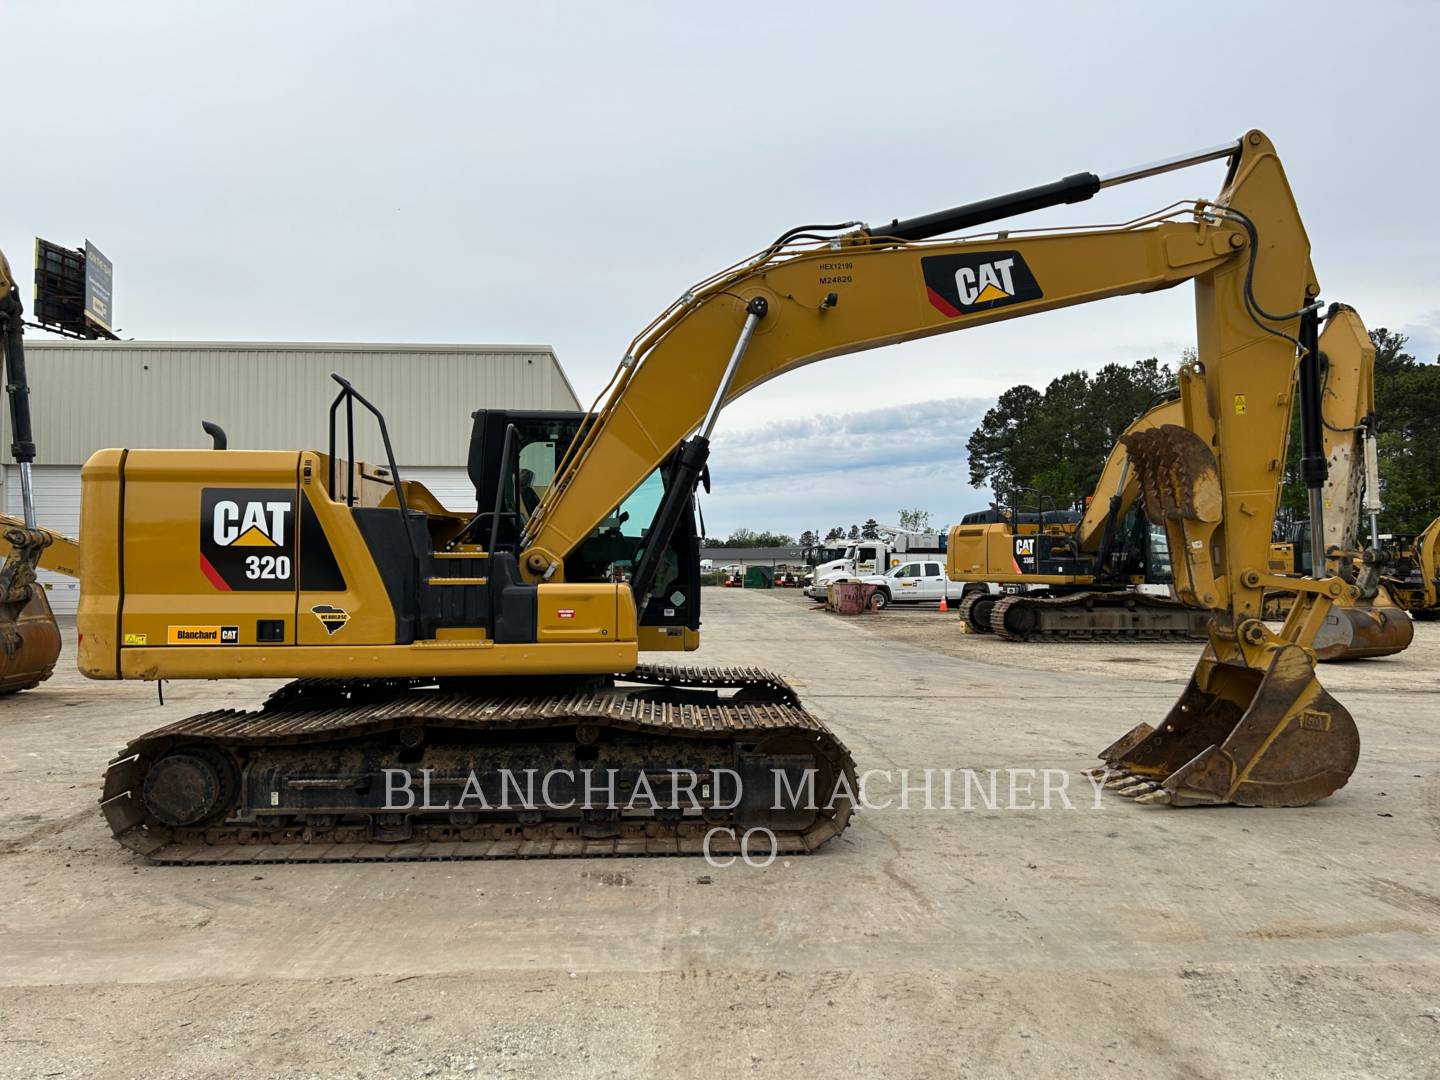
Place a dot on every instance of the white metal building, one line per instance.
(88, 396)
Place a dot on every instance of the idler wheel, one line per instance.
(978, 617)
(1020, 620)
(188, 785)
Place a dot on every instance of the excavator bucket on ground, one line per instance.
(1371, 627)
(29, 636)
(1375, 627)
(1253, 727)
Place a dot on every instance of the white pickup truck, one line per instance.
(870, 557)
(918, 582)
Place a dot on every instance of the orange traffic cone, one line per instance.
(944, 603)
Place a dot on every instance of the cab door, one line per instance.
(868, 561)
(909, 582)
(932, 585)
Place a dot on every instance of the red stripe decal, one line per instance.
(213, 574)
(943, 305)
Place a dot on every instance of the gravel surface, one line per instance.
(1101, 939)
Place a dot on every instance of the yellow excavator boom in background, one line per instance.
(29, 636)
(60, 554)
(509, 640)
(1374, 623)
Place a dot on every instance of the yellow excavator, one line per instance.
(1065, 582)
(29, 635)
(1375, 624)
(471, 685)
(1080, 582)
(1413, 575)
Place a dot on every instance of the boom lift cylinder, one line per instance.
(1313, 467)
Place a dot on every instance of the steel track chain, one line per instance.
(966, 605)
(1052, 603)
(315, 710)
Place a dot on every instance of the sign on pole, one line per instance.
(73, 290)
(99, 276)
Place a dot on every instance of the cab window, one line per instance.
(534, 471)
(633, 516)
(932, 569)
(909, 570)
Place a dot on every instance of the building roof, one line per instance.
(719, 556)
(87, 396)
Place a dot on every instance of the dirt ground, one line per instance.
(1416, 669)
(1102, 938)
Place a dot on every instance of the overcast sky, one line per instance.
(468, 172)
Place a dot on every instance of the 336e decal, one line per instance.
(247, 538)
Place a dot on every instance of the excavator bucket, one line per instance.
(1374, 627)
(29, 636)
(1239, 734)
(1253, 727)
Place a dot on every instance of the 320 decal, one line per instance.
(247, 538)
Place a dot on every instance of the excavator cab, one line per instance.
(513, 459)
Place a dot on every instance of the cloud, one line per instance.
(816, 472)
(1424, 335)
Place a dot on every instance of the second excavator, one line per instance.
(1413, 574)
(494, 659)
(1083, 581)
(1079, 581)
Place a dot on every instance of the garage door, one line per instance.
(450, 484)
(57, 506)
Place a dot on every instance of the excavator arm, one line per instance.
(1347, 416)
(1118, 486)
(1254, 726)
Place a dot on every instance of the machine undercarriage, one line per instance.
(664, 760)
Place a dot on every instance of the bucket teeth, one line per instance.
(1259, 733)
(1141, 787)
(1178, 474)
(1123, 745)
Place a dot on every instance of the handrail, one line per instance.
(500, 488)
(350, 395)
